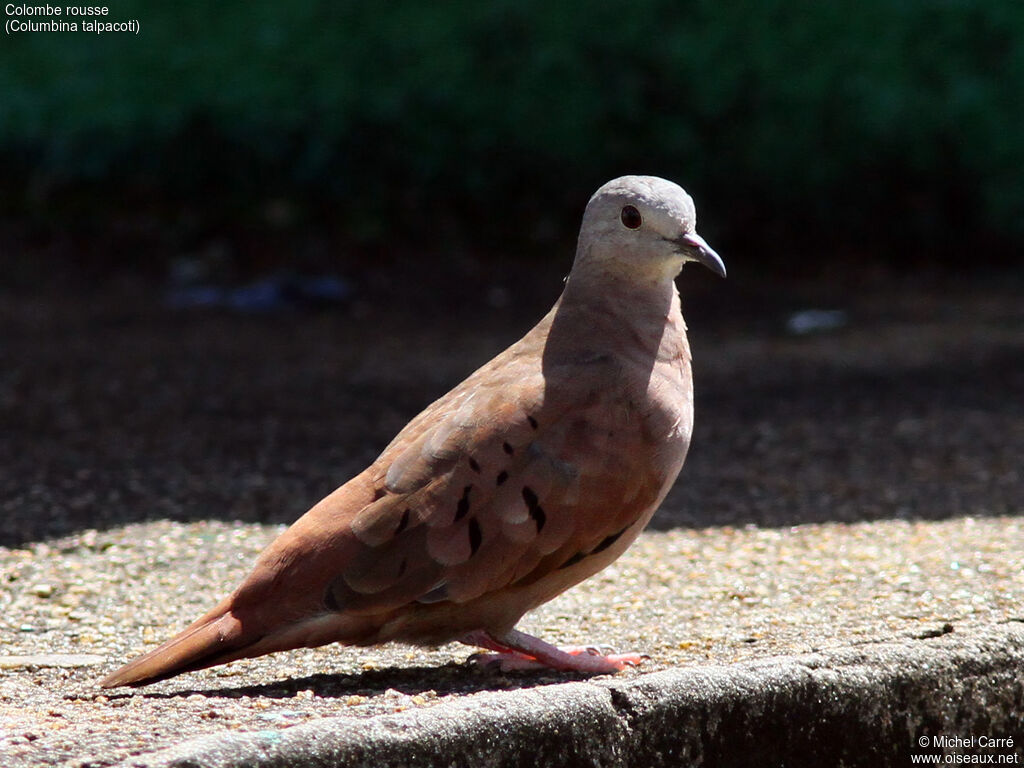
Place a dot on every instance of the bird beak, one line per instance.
(694, 248)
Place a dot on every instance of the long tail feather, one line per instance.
(217, 640)
(230, 633)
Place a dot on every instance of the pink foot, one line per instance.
(518, 651)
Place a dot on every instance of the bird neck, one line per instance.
(613, 313)
(621, 296)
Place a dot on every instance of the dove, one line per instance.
(533, 474)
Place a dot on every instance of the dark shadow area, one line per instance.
(236, 261)
(118, 410)
(445, 680)
(820, 443)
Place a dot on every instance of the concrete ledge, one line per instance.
(866, 705)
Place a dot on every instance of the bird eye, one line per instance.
(631, 217)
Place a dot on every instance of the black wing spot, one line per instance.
(572, 560)
(501, 478)
(476, 536)
(508, 448)
(607, 542)
(536, 511)
(463, 508)
(533, 421)
(404, 522)
(331, 601)
(402, 567)
(474, 465)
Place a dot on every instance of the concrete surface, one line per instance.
(871, 705)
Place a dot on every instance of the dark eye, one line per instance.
(631, 217)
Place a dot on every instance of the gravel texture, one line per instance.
(871, 705)
(844, 488)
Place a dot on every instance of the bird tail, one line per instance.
(230, 632)
(216, 638)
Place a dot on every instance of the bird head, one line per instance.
(643, 226)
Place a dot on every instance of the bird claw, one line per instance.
(637, 661)
(590, 650)
(485, 660)
(504, 662)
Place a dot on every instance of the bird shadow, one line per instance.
(443, 680)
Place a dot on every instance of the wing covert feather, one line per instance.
(500, 481)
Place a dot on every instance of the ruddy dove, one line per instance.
(531, 475)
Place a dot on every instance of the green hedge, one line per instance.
(857, 119)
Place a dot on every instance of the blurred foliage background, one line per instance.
(312, 134)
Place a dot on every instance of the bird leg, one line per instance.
(516, 650)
